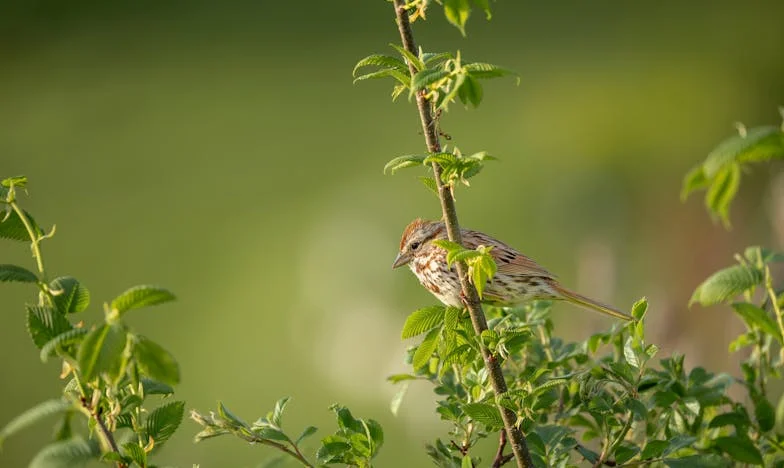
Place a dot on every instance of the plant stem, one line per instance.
(775, 302)
(471, 298)
(33, 238)
(104, 432)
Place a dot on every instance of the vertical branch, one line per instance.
(471, 297)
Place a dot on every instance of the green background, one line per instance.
(220, 149)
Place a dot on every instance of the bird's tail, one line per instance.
(589, 303)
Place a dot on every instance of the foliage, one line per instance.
(111, 369)
(608, 400)
(720, 173)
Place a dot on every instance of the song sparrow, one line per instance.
(518, 279)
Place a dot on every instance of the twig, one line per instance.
(516, 437)
(501, 459)
(106, 435)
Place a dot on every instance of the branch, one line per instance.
(471, 298)
(93, 412)
(501, 459)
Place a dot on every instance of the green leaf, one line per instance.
(758, 144)
(307, 432)
(66, 454)
(697, 461)
(380, 60)
(135, 453)
(757, 318)
(740, 448)
(426, 349)
(69, 295)
(44, 323)
(629, 354)
(153, 387)
(487, 70)
(101, 350)
(653, 449)
(12, 227)
(485, 6)
(484, 413)
(224, 412)
(780, 416)
(457, 12)
(141, 296)
(722, 191)
(33, 415)
(695, 179)
(429, 183)
(639, 308)
(422, 320)
(402, 78)
(427, 77)
(467, 462)
(402, 162)
(763, 412)
(397, 400)
(164, 420)
(411, 58)
(332, 449)
(470, 91)
(277, 413)
(155, 362)
(61, 341)
(726, 284)
(10, 273)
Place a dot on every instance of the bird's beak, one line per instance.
(400, 260)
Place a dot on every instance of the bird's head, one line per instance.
(415, 238)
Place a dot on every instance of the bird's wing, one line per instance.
(508, 260)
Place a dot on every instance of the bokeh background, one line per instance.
(219, 148)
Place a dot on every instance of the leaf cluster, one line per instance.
(719, 174)
(111, 369)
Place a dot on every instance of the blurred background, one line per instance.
(220, 149)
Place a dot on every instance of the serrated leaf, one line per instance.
(400, 77)
(726, 284)
(164, 420)
(135, 453)
(141, 296)
(155, 362)
(380, 60)
(12, 227)
(466, 462)
(422, 320)
(411, 58)
(487, 70)
(740, 448)
(402, 162)
(332, 449)
(756, 317)
(225, 413)
(763, 412)
(16, 273)
(639, 308)
(757, 144)
(66, 454)
(70, 296)
(426, 348)
(64, 339)
(429, 183)
(101, 350)
(33, 415)
(484, 413)
(427, 77)
(44, 323)
(457, 13)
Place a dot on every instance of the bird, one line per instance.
(518, 278)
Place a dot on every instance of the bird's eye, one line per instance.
(414, 245)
